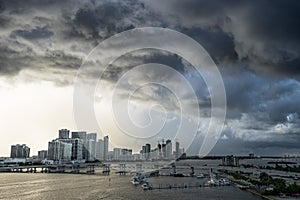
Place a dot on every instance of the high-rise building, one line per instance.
(91, 136)
(19, 151)
(105, 151)
(117, 153)
(77, 146)
(159, 149)
(163, 149)
(169, 149)
(126, 154)
(66, 149)
(100, 149)
(91, 140)
(177, 150)
(230, 160)
(143, 153)
(63, 134)
(147, 151)
(81, 135)
(43, 154)
(91, 150)
(59, 150)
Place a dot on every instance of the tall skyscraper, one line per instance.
(91, 150)
(63, 134)
(77, 146)
(163, 149)
(100, 149)
(105, 151)
(91, 139)
(169, 149)
(81, 135)
(19, 151)
(147, 151)
(177, 150)
(159, 153)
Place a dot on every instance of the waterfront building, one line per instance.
(77, 146)
(143, 153)
(169, 149)
(163, 149)
(154, 154)
(136, 156)
(159, 150)
(177, 151)
(63, 134)
(19, 151)
(81, 135)
(110, 155)
(117, 153)
(100, 149)
(126, 155)
(59, 150)
(147, 151)
(105, 144)
(91, 140)
(91, 150)
(43, 154)
(230, 160)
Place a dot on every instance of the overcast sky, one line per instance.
(255, 44)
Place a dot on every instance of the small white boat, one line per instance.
(146, 186)
(135, 182)
(138, 179)
(200, 176)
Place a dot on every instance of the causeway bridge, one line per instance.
(80, 168)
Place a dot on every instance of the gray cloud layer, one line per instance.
(255, 43)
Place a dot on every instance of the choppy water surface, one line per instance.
(71, 186)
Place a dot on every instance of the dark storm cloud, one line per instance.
(61, 59)
(248, 92)
(36, 33)
(133, 59)
(12, 61)
(99, 20)
(48, 25)
(265, 34)
(244, 94)
(218, 43)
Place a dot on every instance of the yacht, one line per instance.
(138, 178)
(200, 176)
(146, 186)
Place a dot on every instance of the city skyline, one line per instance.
(80, 146)
(68, 136)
